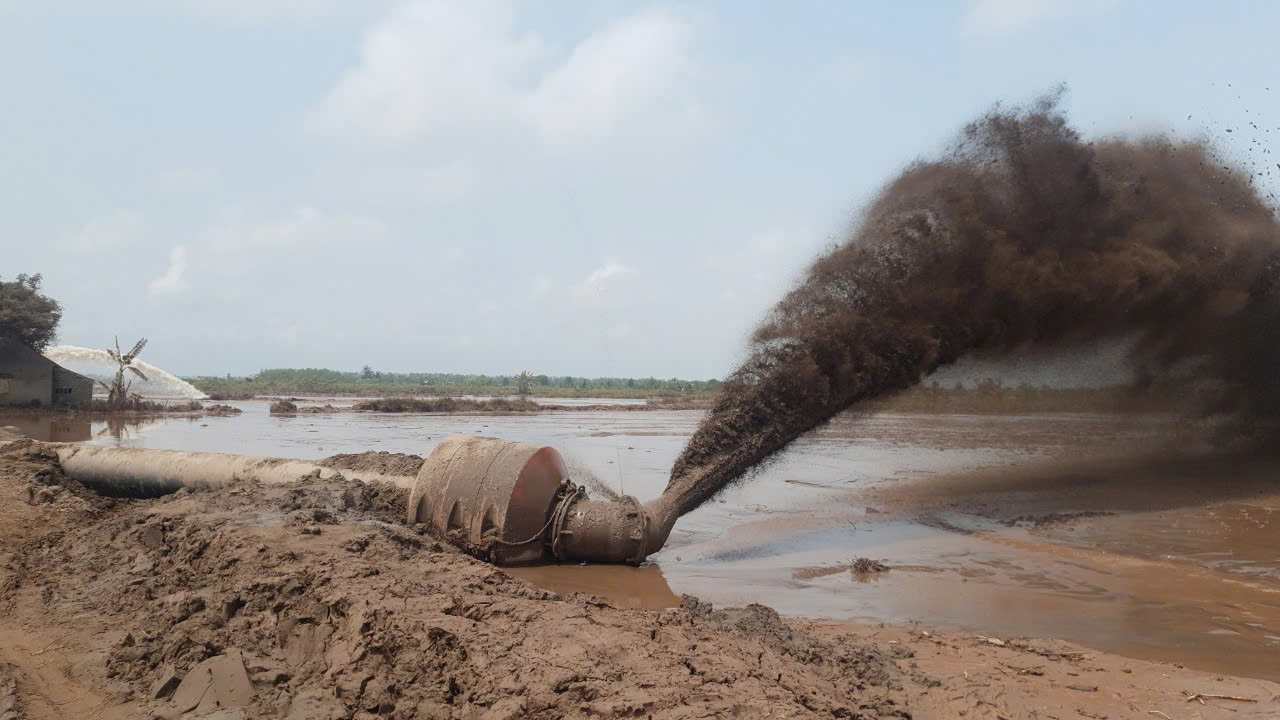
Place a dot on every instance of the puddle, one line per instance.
(644, 588)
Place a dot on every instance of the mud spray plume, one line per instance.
(1021, 234)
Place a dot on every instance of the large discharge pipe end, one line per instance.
(513, 503)
(602, 531)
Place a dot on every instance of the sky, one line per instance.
(572, 188)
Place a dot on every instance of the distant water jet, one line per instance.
(98, 365)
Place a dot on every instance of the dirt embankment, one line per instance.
(312, 600)
(387, 463)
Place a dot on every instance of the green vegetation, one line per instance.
(524, 383)
(371, 382)
(442, 391)
(27, 314)
(118, 394)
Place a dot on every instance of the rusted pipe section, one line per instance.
(513, 503)
(134, 471)
(491, 497)
(508, 502)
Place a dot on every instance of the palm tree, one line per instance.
(524, 383)
(118, 392)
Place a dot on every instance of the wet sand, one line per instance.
(1039, 525)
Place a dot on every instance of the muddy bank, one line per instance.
(518, 405)
(446, 404)
(386, 463)
(311, 600)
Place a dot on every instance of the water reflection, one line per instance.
(49, 429)
(115, 430)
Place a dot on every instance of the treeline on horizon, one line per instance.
(989, 395)
(368, 380)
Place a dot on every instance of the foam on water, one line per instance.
(98, 364)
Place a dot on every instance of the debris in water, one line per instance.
(283, 407)
(867, 566)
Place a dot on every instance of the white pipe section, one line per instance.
(155, 472)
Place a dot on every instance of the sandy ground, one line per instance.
(312, 601)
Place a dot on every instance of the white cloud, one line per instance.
(173, 281)
(429, 66)
(641, 66)
(305, 226)
(117, 229)
(592, 289)
(599, 275)
(620, 330)
(439, 70)
(994, 17)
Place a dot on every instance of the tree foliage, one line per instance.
(524, 383)
(118, 395)
(28, 314)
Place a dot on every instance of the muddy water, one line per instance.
(1003, 525)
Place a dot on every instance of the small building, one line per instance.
(29, 378)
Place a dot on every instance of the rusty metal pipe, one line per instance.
(513, 503)
(155, 472)
(510, 503)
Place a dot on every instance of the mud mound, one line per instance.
(222, 410)
(298, 602)
(383, 462)
(1021, 234)
(225, 395)
(42, 482)
(319, 410)
(283, 407)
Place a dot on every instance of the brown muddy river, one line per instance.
(1098, 529)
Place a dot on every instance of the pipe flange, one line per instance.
(639, 534)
